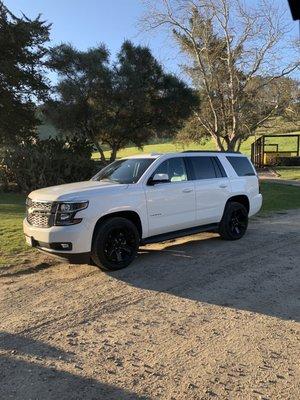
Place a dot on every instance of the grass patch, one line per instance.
(291, 173)
(12, 210)
(164, 147)
(278, 197)
(285, 144)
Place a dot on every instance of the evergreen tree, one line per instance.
(116, 104)
(22, 80)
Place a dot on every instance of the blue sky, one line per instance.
(86, 23)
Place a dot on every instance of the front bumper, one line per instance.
(78, 237)
(73, 258)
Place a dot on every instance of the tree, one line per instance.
(82, 94)
(116, 104)
(234, 61)
(22, 80)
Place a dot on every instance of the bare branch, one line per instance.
(234, 54)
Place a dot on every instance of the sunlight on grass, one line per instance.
(291, 173)
(285, 144)
(12, 211)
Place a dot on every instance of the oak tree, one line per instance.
(235, 59)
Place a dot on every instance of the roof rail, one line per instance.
(210, 151)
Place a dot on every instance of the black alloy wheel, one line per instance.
(234, 222)
(238, 222)
(115, 243)
(119, 245)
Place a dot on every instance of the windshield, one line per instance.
(124, 171)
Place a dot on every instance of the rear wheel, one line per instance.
(115, 244)
(234, 222)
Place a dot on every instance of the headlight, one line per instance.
(66, 212)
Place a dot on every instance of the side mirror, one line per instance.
(159, 178)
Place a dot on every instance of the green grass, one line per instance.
(291, 173)
(12, 209)
(285, 144)
(278, 197)
(167, 147)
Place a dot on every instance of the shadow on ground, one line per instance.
(27, 379)
(258, 273)
(28, 270)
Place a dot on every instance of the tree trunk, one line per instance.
(92, 137)
(113, 153)
(101, 152)
(238, 147)
(218, 142)
(232, 144)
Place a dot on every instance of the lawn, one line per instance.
(276, 197)
(284, 143)
(291, 173)
(12, 210)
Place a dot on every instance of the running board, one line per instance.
(177, 234)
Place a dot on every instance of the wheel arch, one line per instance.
(242, 199)
(131, 215)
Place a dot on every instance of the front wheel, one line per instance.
(234, 222)
(115, 244)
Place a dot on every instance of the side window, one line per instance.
(175, 168)
(220, 171)
(203, 167)
(241, 165)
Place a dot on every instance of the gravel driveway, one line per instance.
(195, 318)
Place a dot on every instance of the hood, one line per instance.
(73, 191)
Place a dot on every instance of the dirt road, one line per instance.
(196, 318)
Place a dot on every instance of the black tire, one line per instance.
(115, 244)
(234, 222)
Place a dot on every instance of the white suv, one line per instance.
(143, 199)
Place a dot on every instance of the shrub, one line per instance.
(288, 161)
(45, 163)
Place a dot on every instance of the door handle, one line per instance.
(223, 186)
(187, 190)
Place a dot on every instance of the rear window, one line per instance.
(241, 165)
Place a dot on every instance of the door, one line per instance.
(171, 205)
(212, 188)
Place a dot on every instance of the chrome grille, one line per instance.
(38, 213)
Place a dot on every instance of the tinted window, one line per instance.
(220, 171)
(203, 167)
(124, 171)
(174, 168)
(241, 165)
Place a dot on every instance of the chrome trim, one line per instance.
(39, 201)
(35, 211)
(38, 213)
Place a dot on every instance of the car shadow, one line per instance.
(24, 345)
(29, 270)
(22, 379)
(258, 273)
